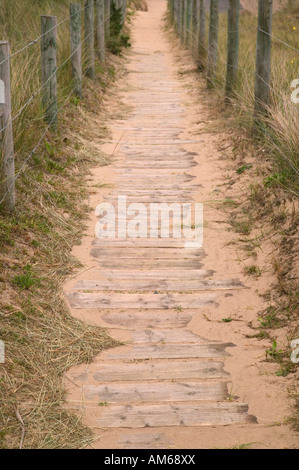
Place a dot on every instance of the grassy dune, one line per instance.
(281, 137)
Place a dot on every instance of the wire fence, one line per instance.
(8, 176)
(35, 41)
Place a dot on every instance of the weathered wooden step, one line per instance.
(179, 154)
(172, 351)
(154, 165)
(151, 175)
(145, 319)
(140, 243)
(165, 187)
(173, 181)
(149, 198)
(156, 142)
(166, 336)
(182, 157)
(137, 301)
(138, 263)
(148, 370)
(161, 274)
(133, 190)
(157, 182)
(156, 392)
(157, 285)
(151, 172)
(144, 253)
(142, 416)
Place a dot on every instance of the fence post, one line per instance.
(107, 10)
(175, 13)
(171, 5)
(89, 38)
(202, 53)
(263, 57)
(179, 25)
(194, 35)
(213, 42)
(76, 52)
(232, 46)
(7, 164)
(183, 15)
(49, 67)
(124, 10)
(100, 29)
(188, 23)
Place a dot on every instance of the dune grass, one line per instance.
(280, 136)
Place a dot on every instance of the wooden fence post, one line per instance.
(124, 9)
(49, 67)
(194, 35)
(107, 10)
(232, 47)
(263, 57)
(76, 51)
(183, 16)
(202, 52)
(213, 42)
(89, 38)
(175, 13)
(188, 23)
(101, 29)
(179, 25)
(170, 10)
(7, 164)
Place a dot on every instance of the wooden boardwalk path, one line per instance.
(166, 376)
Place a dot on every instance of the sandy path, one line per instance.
(177, 382)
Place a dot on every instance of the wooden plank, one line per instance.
(140, 242)
(141, 416)
(146, 186)
(147, 172)
(182, 158)
(159, 371)
(166, 336)
(158, 153)
(156, 392)
(124, 190)
(153, 180)
(157, 142)
(144, 253)
(157, 285)
(149, 263)
(156, 274)
(150, 198)
(153, 177)
(148, 319)
(137, 301)
(173, 351)
(162, 195)
(170, 165)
